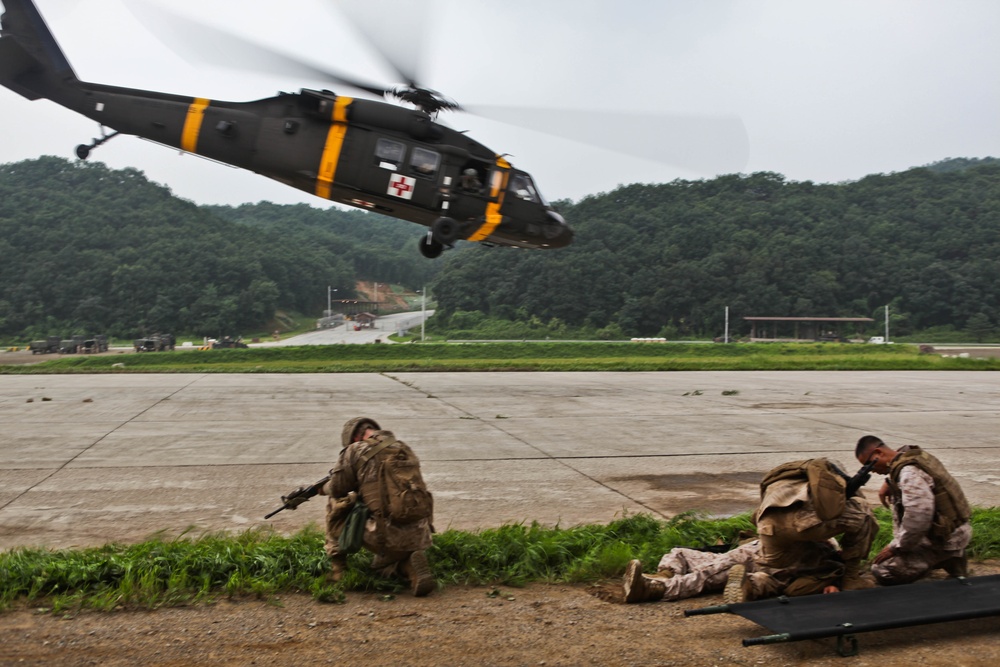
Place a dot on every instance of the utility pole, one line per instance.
(329, 303)
(423, 311)
(725, 338)
(887, 324)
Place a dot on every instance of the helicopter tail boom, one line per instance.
(30, 59)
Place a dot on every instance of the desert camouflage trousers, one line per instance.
(695, 572)
(908, 566)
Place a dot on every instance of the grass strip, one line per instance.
(260, 562)
(528, 356)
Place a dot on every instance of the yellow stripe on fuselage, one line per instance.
(492, 219)
(192, 124)
(334, 144)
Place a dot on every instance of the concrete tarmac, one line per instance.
(88, 459)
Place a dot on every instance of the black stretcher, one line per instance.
(845, 614)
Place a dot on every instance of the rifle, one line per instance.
(860, 478)
(299, 496)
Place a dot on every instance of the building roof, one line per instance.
(809, 319)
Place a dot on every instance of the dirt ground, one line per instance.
(456, 626)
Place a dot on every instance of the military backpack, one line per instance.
(398, 492)
(827, 484)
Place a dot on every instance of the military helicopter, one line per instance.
(390, 159)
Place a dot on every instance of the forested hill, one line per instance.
(87, 249)
(668, 259)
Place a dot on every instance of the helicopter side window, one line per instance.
(522, 187)
(389, 153)
(471, 179)
(425, 162)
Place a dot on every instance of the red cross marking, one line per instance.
(400, 185)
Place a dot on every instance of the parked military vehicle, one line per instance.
(71, 345)
(155, 343)
(95, 344)
(48, 346)
(228, 343)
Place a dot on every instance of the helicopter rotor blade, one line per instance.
(707, 145)
(218, 47)
(394, 29)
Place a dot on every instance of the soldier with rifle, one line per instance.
(930, 514)
(378, 500)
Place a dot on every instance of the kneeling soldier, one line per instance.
(382, 472)
(930, 515)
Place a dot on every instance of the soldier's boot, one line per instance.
(338, 566)
(857, 579)
(739, 586)
(638, 588)
(957, 566)
(418, 572)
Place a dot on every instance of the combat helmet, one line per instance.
(352, 425)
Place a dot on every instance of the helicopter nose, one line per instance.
(558, 234)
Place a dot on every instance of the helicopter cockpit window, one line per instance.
(522, 187)
(425, 162)
(389, 153)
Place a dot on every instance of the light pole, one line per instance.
(376, 297)
(423, 311)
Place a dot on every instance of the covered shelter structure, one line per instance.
(365, 320)
(353, 306)
(802, 329)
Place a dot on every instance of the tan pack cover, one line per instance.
(397, 493)
(827, 486)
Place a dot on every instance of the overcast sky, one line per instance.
(827, 90)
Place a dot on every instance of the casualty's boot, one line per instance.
(338, 566)
(638, 588)
(418, 572)
(856, 579)
(957, 566)
(739, 587)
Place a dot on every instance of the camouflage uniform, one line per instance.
(796, 556)
(923, 539)
(392, 544)
(696, 572)
(683, 573)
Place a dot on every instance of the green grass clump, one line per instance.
(262, 563)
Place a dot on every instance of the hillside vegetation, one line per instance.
(667, 259)
(86, 249)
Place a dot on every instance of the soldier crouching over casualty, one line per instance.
(803, 506)
(382, 472)
(683, 573)
(930, 515)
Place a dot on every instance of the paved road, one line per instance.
(88, 459)
(345, 333)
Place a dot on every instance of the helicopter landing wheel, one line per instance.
(430, 248)
(446, 230)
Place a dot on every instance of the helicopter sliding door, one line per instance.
(398, 171)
